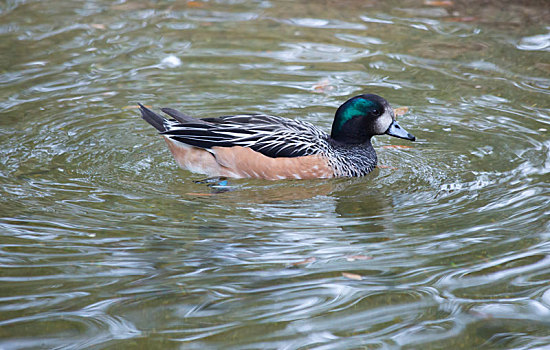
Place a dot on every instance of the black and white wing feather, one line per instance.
(270, 135)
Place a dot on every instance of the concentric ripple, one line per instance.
(104, 243)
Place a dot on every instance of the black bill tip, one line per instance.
(397, 131)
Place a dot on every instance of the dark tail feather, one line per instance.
(152, 118)
(179, 116)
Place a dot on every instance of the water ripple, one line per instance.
(106, 243)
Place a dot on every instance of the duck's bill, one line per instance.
(398, 131)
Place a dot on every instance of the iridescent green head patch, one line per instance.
(358, 106)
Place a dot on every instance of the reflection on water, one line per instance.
(105, 243)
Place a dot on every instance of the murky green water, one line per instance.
(105, 243)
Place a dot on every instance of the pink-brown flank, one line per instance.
(244, 162)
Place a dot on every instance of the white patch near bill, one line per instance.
(383, 123)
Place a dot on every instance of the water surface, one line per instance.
(105, 243)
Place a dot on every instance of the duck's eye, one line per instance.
(376, 112)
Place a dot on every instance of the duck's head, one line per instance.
(364, 116)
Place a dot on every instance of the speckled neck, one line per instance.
(353, 159)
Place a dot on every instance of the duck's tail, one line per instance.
(152, 118)
(162, 124)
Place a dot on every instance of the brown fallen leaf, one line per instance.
(98, 26)
(352, 276)
(438, 3)
(386, 167)
(399, 111)
(323, 86)
(135, 107)
(397, 146)
(303, 262)
(358, 257)
(195, 4)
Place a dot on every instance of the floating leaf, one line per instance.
(352, 276)
(303, 262)
(358, 257)
(135, 107)
(438, 3)
(397, 146)
(323, 86)
(399, 111)
(386, 167)
(195, 4)
(98, 26)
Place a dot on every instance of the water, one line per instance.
(104, 243)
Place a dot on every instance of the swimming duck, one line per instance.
(270, 147)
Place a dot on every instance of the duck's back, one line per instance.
(249, 145)
(272, 136)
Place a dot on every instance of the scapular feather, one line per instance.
(270, 135)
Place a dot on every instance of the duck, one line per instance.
(274, 148)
